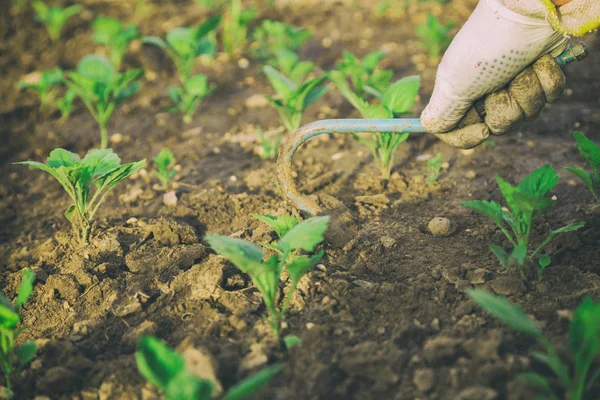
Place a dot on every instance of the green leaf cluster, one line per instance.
(165, 170)
(293, 98)
(591, 153)
(48, 89)
(435, 36)
(397, 100)
(187, 98)
(87, 181)
(273, 36)
(166, 369)
(576, 376)
(365, 77)
(235, 27)
(526, 201)
(269, 143)
(101, 88)
(13, 359)
(55, 17)
(116, 36)
(184, 45)
(294, 237)
(291, 66)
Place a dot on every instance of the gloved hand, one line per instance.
(494, 52)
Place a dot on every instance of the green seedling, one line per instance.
(526, 202)
(365, 78)
(87, 181)
(266, 274)
(101, 88)
(54, 18)
(269, 143)
(14, 358)
(166, 369)
(47, 87)
(184, 45)
(187, 98)
(434, 165)
(591, 153)
(291, 66)
(293, 98)
(165, 170)
(434, 36)
(116, 36)
(273, 36)
(397, 100)
(212, 4)
(235, 27)
(575, 375)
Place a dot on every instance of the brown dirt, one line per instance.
(383, 317)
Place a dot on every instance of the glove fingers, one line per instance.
(503, 113)
(467, 137)
(551, 77)
(527, 90)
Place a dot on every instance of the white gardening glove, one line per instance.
(492, 48)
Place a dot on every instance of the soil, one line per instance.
(384, 316)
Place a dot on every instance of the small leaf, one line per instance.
(62, 158)
(164, 159)
(301, 265)
(517, 256)
(536, 381)
(583, 175)
(400, 97)
(560, 369)
(500, 254)
(96, 67)
(489, 208)
(26, 352)
(306, 235)
(282, 85)
(157, 362)
(540, 182)
(186, 386)
(584, 332)
(588, 149)
(291, 341)
(544, 260)
(236, 250)
(565, 229)
(281, 225)
(505, 311)
(155, 41)
(9, 319)
(70, 212)
(253, 384)
(26, 287)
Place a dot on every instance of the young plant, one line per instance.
(291, 66)
(526, 201)
(14, 358)
(435, 37)
(99, 169)
(47, 87)
(184, 45)
(397, 100)
(591, 153)
(54, 18)
(235, 27)
(266, 274)
(269, 143)
(166, 369)
(434, 165)
(187, 98)
(101, 88)
(116, 36)
(575, 375)
(273, 36)
(365, 78)
(293, 98)
(165, 170)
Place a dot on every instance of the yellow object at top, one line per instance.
(583, 16)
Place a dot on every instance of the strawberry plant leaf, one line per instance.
(301, 265)
(400, 97)
(588, 149)
(540, 182)
(489, 208)
(236, 250)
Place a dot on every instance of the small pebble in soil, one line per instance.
(387, 242)
(116, 138)
(471, 174)
(337, 156)
(170, 198)
(440, 226)
(424, 379)
(445, 165)
(233, 178)
(256, 101)
(310, 325)
(243, 63)
(327, 42)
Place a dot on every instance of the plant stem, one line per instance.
(103, 136)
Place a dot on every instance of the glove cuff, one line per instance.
(576, 18)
